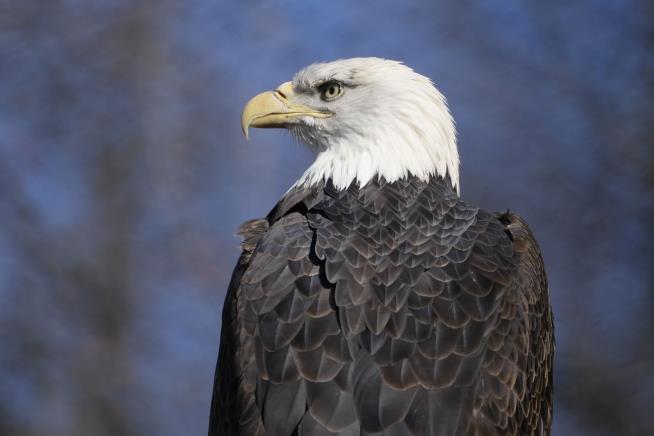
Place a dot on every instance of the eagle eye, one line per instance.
(330, 90)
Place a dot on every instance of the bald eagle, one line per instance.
(372, 299)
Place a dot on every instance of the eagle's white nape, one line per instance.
(390, 122)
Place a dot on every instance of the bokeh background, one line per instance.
(123, 175)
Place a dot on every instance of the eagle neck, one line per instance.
(377, 191)
(391, 154)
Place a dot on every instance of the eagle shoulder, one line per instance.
(251, 232)
(536, 408)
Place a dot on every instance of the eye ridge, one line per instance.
(330, 90)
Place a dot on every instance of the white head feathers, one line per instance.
(389, 121)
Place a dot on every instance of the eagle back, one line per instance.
(394, 307)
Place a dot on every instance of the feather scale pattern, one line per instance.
(391, 309)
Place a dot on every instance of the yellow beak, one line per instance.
(276, 109)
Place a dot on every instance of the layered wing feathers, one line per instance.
(390, 309)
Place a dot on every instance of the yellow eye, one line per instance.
(331, 90)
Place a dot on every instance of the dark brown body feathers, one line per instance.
(391, 309)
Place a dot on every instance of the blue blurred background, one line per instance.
(123, 175)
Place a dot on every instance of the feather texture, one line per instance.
(393, 308)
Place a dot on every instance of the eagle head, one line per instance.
(363, 118)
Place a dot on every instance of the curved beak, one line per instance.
(276, 109)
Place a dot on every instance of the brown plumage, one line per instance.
(395, 308)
